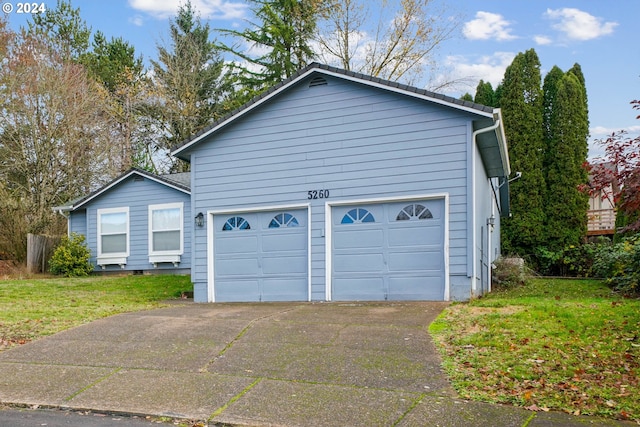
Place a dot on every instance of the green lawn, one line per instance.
(557, 344)
(30, 309)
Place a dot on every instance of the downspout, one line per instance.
(474, 263)
(65, 213)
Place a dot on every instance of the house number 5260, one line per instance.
(317, 194)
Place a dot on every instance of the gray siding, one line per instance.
(353, 140)
(137, 195)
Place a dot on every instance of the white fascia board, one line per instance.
(405, 92)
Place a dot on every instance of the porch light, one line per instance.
(200, 219)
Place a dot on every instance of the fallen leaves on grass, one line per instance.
(572, 353)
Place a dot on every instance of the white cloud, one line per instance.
(488, 26)
(209, 9)
(600, 132)
(489, 68)
(137, 20)
(578, 25)
(542, 40)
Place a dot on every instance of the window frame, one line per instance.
(166, 206)
(104, 257)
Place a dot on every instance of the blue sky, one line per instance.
(600, 36)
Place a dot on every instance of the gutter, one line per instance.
(63, 210)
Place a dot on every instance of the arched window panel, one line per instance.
(283, 220)
(236, 223)
(356, 216)
(414, 211)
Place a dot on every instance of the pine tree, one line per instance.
(521, 101)
(189, 80)
(284, 33)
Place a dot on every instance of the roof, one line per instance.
(317, 68)
(178, 181)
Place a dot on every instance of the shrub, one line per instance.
(508, 273)
(71, 258)
(573, 260)
(620, 265)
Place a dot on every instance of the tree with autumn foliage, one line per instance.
(623, 153)
(55, 140)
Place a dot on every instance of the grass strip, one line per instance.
(569, 345)
(33, 308)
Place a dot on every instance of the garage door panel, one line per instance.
(347, 238)
(284, 265)
(236, 266)
(237, 290)
(273, 242)
(236, 244)
(284, 289)
(415, 261)
(415, 288)
(415, 235)
(364, 263)
(359, 289)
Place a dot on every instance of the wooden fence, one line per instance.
(39, 252)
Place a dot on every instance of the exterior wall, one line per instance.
(137, 195)
(351, 140)
(78, 222)
(487, 236)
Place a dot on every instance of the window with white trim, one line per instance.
(166, 229)
(113, 235)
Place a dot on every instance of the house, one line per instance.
(138, 222)
(336, 186)
(601, 216)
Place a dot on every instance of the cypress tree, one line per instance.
(485, 94)
(521, 101)
(567, 129)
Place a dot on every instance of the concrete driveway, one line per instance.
(267, 364)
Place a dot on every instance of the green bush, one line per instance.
(619, 264)
(571, 261)
(71, 258)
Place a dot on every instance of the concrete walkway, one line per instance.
(269, 364)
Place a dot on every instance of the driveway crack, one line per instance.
(242, 333)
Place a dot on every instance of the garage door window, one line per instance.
(236, 223)
(414, 211)
(283, 220)
(356, 216)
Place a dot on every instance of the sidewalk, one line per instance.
(269, 364)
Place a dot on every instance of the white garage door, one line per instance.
(388, 251)
(261, 256)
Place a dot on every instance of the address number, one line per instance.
(317, 194)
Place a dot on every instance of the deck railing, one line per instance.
(601, 221)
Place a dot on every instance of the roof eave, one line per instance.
(83, 201)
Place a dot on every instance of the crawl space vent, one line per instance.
(317, 81)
